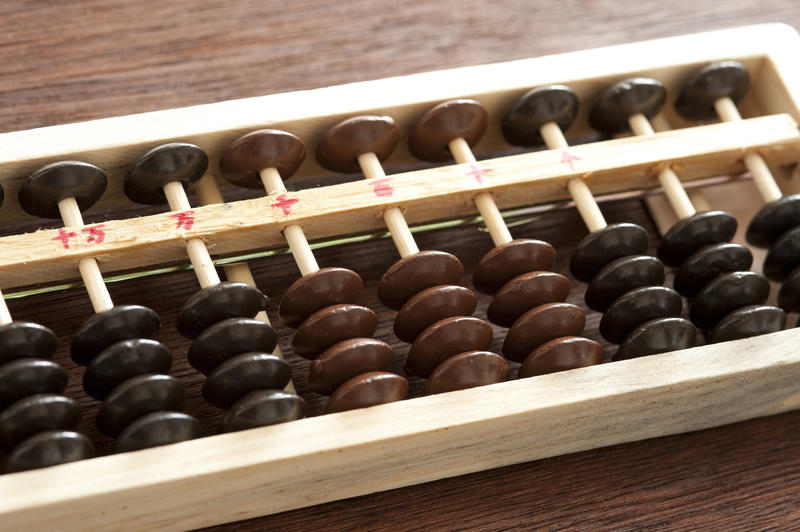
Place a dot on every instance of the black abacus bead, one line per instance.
(636, 307)
(624, 99)
(41, 192)
(136, 397)
(660, 335)
(748, 321)
(772, 220)
(789, 295)
(244, 373)
(49, 448)
(262, 408)
(725, 294)
(122, 322)
(229, 338)
(29, 376)
(620, 276)
(610, 243)
(217, 303)
(719, 80)
(783, 256)
(157, 428)
(537, 107)
(690, 234)
(184, 163)
(123, 360)
(37, 413)
(24, 339)
(704, 265)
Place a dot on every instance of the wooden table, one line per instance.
(83, 60)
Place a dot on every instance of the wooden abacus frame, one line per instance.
(272, 469)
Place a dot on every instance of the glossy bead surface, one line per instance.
(331, 325)
(315, 291)
(657, 336)
(340, 147)
(174, 162)
(690, 234)
(467, 370)
(262, 408)
(624, 99)
(748, 321)
(219, 302)
(244, 373)
(47, 449)
(433, 132)
(266, 148)
(347, 359)
(228, 338)
(157, 428)
(561, 354)
(368, 389)
(724, 79)
(122, 322)
(772, 220)
(25, 339)
(123, 360)
(608, 244)
(29, 376)
(524, 292)
(542, 324)
(620, 276)
(537, 107)
(446, 338)
(37, 413)
(506, 261)
(431, 305)
(636, 307)
(704, 265)
(41, 192)
(415, 273)
(725, 294)
(137, 397)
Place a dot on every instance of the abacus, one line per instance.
(659, 117)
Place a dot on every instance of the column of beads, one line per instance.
(126, 367)
(333, 332)
(624, 283)
(449, 346)
(714, 91)
(528, 298)
(727, 300)
(231, 348)
(36, 421)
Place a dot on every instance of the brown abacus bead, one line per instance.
(332, 325)
(524, 292)
(415, 273)
(467, 370)
(542, 324)
(368, 389)
(316, 291)
(266, 148)
(561, 354)
(504, 262)
(431, 305)
(340, 147)
(444, 339)
(447, 121)
(347, 359)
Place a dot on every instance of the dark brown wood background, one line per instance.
(69, 61)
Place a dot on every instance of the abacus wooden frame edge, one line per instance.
(316, 460)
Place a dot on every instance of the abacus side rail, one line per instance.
(302, 463)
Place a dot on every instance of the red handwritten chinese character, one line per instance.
(185, 219)
(96, 235)
(382, 188)
(567, 157)
(64, 237)
(283, 203)
(478, 172)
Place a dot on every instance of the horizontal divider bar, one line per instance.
(616, 165)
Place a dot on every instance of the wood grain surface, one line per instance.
(69, 61)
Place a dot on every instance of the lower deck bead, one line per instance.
(704, 265)
(620, 276)
(692, 233)
(219, 302)
(725, 294)
(506, 261)
(446, 338)
(47, 449)
(748, 321)
(345, 360)
(29, 376)
(412, 274)
(636, 307)
(431, 305)
(368, 389)
(524, 292)
(316, 291)
(244, 373)
(789, 295)
(122, 322)
(124, 360)
(37, 413)
(656, 336)
(561, 354)
(227, 339)
(773, 220)
(157, 428)
(25, 339)
(542, 324)
(331, 325)
(262, 408)
(783, 256)
(608, 244)
(467, 370)
(137, 397)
